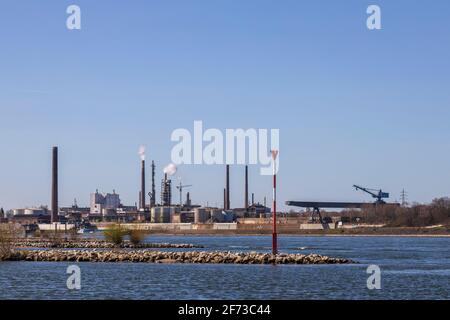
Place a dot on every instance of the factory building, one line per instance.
(30, 212)
(29, 217)
(163, 214)
(104, 203)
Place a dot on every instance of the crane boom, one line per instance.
(377, 194)
(180, 187)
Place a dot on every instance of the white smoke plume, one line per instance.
(170, 169)
(142, 152)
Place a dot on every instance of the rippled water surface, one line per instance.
(411, 268)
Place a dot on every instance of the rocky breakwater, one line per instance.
(94, 244)
(146, 256)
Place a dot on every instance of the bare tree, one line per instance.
(9, 233)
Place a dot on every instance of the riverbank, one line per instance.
(192, 257)
(357, 231)
(288, 227)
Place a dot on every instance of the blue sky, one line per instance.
(353, 106)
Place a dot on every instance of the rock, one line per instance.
(141, 256)
(93, 243)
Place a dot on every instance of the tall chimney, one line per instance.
(253, 198)
(140, 201)
(143, 184)
(224, 198)
(246, 188)
(54, 217)
(153, 196)
(188, 200)
(228, 187)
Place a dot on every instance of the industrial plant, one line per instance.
(177, 212)
(108, 207)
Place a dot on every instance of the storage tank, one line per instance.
(154, 215)
(161, 214)
(165, 214)
(201, 215)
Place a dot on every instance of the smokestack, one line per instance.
(188, 200)
(140, 197)
(54, 217)
(246, 188)
(153, 196)
(143, 185)
(227, 187)
(253, 198)
(224, 198)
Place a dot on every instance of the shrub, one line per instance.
(115, 234)
(8, 235)
(136, 236)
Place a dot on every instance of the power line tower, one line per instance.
(404, 198)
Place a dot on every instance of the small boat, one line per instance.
(87, 228)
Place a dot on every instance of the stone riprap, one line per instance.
(148, 256)
(93, 244)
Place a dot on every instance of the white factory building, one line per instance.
(30, 212)
(100, 203)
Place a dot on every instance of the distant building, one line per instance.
(18, 212)
(112, 201)
(30, 212)
(255, 210)
(100, 203)
(30, 219)
(75, 213)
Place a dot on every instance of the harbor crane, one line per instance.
(181, 187)
(375, 193)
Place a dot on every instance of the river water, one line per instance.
(411, 268)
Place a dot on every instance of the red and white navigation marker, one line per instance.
(274, 205)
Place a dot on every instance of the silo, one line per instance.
(201, 215)
(154, 215)
(165, 214)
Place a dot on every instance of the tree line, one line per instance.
(417, 215)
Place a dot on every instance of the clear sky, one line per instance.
(353, 106)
